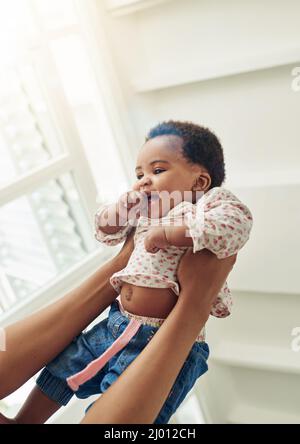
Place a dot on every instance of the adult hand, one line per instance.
(125, 252)
(201, 275)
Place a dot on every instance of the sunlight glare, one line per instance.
(16, 26)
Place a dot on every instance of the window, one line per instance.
(41, 234)
(54, 135)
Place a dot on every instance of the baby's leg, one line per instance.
(37, 408)
(4, 420)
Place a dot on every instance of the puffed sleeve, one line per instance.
(223, 304)
(219, 222)
(110, 239)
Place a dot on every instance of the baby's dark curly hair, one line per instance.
(200, 146)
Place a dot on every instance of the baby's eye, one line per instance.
(139, 176)
(158, 170)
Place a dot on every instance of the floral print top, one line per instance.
(219, 221)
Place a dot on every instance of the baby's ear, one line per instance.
(202, 182)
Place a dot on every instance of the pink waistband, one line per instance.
(154, 322)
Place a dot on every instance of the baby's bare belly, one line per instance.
(144, 301)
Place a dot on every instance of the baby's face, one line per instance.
(161, 170)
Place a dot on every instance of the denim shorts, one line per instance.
(92, 343)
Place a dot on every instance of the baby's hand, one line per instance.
(155, 240)
(130, 205)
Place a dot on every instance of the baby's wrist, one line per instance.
(168, 234)
(121, 214)
(177, 236)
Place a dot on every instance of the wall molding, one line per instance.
(267, 357)
(210, 71)
(125, 7)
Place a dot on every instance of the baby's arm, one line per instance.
(114, 222)
(220, 223)
(161, 237)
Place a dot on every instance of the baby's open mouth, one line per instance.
(152, 198)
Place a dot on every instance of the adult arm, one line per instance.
(140, 392)
(34, 341)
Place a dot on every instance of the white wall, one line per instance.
(227, 64)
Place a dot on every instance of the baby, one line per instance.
(176, 203)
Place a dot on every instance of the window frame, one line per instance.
(72, 160)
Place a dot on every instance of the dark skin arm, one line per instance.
(34, 341)
(201, 277)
